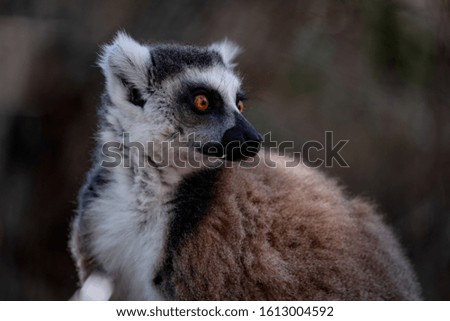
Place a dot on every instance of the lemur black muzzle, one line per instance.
(238, 142)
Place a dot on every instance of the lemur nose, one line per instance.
(242, 140)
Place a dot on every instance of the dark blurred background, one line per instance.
(375, 72)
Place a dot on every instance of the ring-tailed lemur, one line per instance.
(215, 232)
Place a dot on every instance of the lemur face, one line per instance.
(179, 93)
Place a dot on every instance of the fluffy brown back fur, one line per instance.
(289, 234)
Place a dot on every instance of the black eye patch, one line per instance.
(241, 96)
(215, 100)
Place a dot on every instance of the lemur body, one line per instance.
(220, 232)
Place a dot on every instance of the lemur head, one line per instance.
(158, 93)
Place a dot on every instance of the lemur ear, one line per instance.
(228, 51)
(125, 64)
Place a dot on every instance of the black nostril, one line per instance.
(242, 140)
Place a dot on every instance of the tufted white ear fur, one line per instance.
(228, 50)
(125, 64)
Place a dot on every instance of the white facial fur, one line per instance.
(159, 120)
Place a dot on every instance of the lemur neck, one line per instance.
(164, 166)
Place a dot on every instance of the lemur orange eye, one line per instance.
(240, 106)
(201, 102)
